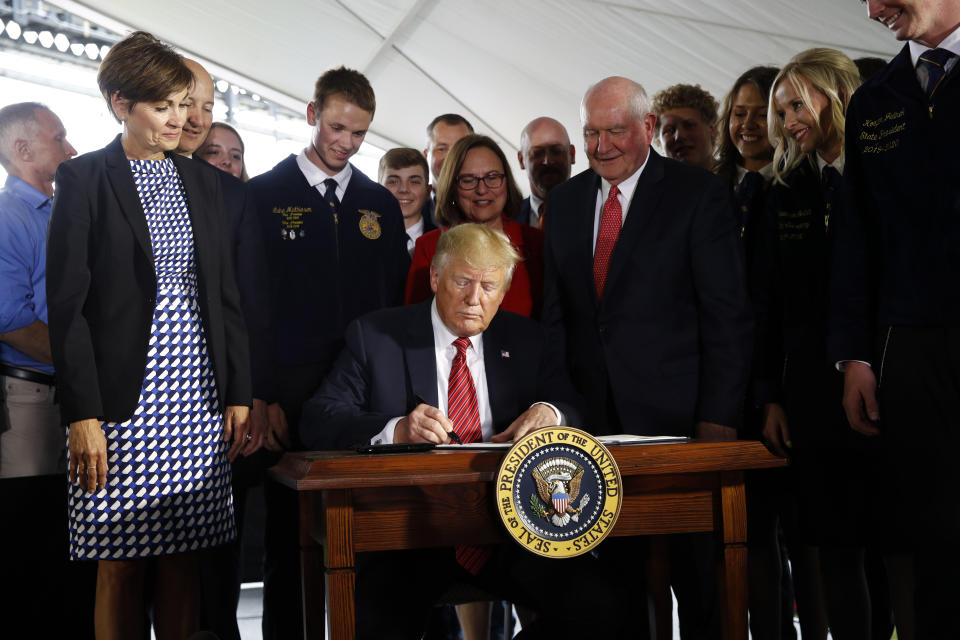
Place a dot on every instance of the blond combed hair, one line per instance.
(479, 246)
(831, 73)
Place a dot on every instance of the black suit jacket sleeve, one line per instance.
(338, 416)
(853, 308)
(250, 262)
(68, 286)
(236, 347)
(726, 328)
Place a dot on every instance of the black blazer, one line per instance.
(253, 280)
(101, 285)
(670, 343)
(389, 360)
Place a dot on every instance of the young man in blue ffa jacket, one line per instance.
(336, 249)
(895, 319)
(404, 172)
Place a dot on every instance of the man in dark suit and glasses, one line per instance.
(406, 375)
(895, 319)
(644, 289)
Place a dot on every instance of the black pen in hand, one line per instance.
(452, 434)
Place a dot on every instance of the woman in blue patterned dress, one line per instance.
(149, 348)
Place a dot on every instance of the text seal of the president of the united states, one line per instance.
(559, 492)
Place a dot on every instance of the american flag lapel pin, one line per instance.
(504, 354)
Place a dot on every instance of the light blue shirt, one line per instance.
(24, 216)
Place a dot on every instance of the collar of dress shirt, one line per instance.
(315, 175)
(416, 229)
(836, 164)
(443, 337)
(627, 187)
(951, 43)
(766, 171)
(35, 198)
(535, 203)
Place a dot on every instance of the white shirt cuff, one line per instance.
(842, 364)
(386, 436)
(560, 419)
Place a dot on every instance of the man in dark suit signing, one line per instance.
(644, 288)
(455, 364)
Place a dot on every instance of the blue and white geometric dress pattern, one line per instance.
(168, 483)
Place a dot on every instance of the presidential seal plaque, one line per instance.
(559, 492)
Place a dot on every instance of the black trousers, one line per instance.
(573, 597)
(47, 595)
(282, 601)
(918, 376)
(220, 566)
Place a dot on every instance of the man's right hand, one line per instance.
(424, 424)
(278, 433)
(860, 398)
(776, 433)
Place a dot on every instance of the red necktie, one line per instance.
(464, 413)
(610, 220)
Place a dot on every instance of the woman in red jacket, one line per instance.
(476, 185)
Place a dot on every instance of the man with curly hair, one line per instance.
(687, 124)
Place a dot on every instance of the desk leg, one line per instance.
(311, 568)
(733, 559)
(341, 571)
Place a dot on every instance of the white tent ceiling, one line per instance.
(500, 63)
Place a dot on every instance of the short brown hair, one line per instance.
(142, 69)
(16, 120)
(448, 211)
(686, 96)
(449, 119)
(347, 83)
(401, 158)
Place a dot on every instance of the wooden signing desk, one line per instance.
(356, 503)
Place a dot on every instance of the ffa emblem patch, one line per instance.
(369, 224)
(559, 492)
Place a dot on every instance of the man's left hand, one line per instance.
(713, 432)
(536, 417)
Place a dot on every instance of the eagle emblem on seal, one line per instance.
(558, 486)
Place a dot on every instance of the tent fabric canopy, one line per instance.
(499, 63)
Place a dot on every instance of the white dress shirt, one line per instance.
(951, 43)
(535, 203)
(766, 171)
(414, 231)
(315, 176)
(627, 187)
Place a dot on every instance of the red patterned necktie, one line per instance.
(610, 221)
(464, 413)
